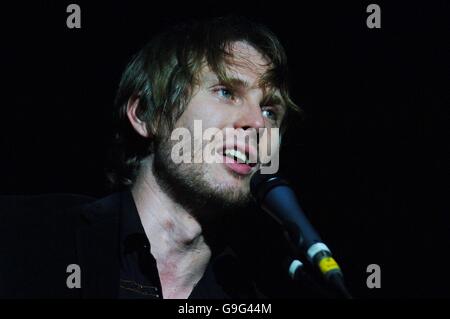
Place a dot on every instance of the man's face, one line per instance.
(238, 110)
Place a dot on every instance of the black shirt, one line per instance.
(224, 276)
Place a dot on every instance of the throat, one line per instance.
(179, 272)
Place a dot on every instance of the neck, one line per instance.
(175, 236)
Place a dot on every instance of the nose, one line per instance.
(250, 116)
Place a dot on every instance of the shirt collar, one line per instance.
(132, 234)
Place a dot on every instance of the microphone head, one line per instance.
(261, 184)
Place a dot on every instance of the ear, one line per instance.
(139, 126)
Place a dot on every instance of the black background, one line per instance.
(369, 161)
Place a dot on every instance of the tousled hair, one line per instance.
(161, 78)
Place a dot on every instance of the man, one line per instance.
(166, 234)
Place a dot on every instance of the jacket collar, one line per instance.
(98, 247)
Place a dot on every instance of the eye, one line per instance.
(270, 114)
(224, 93)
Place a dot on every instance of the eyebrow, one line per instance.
(230, 81)
(273, 100)
(235, 83)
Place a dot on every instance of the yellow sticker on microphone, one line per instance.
(328, 264)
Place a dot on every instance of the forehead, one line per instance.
(246, 57)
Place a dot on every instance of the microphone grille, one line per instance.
(260, 184)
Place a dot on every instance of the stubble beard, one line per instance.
(190, 184)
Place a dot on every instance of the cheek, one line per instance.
(206, 109)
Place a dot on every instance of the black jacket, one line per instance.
(41, 235)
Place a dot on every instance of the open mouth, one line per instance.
(238, 156)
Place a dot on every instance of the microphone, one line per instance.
(275, 196)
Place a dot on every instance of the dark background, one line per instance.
(369, 161)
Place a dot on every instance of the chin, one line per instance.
(229, 184)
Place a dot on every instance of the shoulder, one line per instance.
(19, 212)
(39, 238)
(17, 205)
(22, 213)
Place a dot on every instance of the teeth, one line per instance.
(235, 153)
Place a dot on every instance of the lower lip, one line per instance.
(240, 168)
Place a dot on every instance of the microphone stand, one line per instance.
(298, 274)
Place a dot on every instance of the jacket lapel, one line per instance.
(98, 248)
